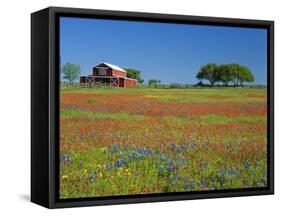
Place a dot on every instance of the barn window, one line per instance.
(102, 71)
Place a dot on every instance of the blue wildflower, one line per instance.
(222, 171)
(179, 149)
(136, 157)
(192, 184)
(152, 155)
(171, 166)
(161, 170)
(206, 144)
(120, 154)
(186, 185)
(170, 170)
(120, 163)
(238, 173)
(115, 147)
(170, 180)
(108, 167)
(91, 177)
(172, 163)
(193, 144)
(173, 147)
(163, 157)
(206, 163)
(125, 148)
(62, 157)
(247, 164)
(143, 151)
(130, 157)
(66, 159)
(231, 171)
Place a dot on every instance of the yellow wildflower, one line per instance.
(65, 177)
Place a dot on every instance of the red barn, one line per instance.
(109, 75)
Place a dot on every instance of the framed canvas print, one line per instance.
(139, 107)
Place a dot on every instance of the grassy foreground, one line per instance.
(116, 141)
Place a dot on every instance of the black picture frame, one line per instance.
(45, 68)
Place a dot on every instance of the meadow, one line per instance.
(118, 141)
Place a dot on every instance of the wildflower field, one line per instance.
(118, 141)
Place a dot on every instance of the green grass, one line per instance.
(73, 113)
(92, 100)
(229, 91)
(206, 119)
(206, 100)
(216, 119)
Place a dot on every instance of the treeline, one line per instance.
(195, 86)
(134, 74)
(225, 73)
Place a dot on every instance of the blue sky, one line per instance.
(168, 52)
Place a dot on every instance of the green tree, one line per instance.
(209, 72)
(241, 74)
(134, 74)
(225, 73)
(71, 72)
(153, 82)
(245, 75)
(235, 71)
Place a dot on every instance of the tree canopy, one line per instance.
(208, 72)
(134, 74)
(225, 73)
(153, 82)
(71, 71)
(245, 75)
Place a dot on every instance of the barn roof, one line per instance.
(115, 67)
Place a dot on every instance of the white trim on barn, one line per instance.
(111, 77)
(125, 77)
(115, 67)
